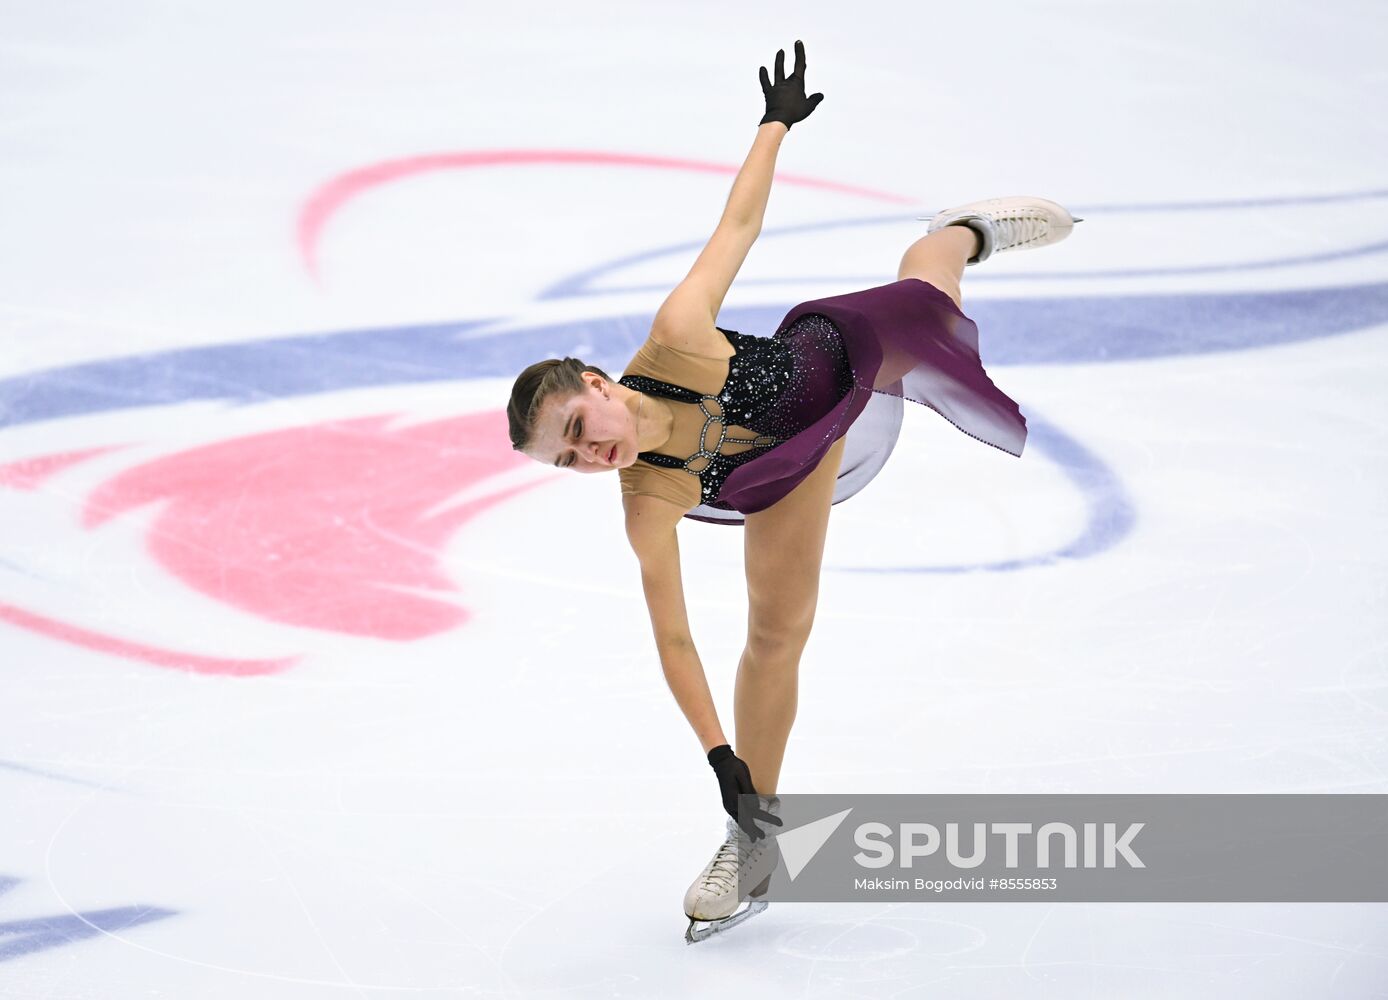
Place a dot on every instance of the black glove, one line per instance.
(735, 779)
(786, 101)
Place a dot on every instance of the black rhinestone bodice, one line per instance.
(759, 372)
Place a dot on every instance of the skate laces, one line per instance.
(1016, 230)
(723, 869)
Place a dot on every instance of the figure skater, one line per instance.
(768, 433)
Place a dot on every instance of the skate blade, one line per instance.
(695, 933)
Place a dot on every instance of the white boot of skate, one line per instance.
(1016, 223)
(714, 896)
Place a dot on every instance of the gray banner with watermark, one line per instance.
(1075, 848)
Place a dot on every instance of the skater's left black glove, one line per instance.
(785, 100)
(734, 779)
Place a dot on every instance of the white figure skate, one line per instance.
(713, 897)
(1016, 223)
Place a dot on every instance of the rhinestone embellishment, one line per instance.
(762, 373)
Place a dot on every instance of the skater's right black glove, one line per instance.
(786, 101)
(735, 779)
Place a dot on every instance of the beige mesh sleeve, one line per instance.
(674, 485)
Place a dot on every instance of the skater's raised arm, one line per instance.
(651, 532)
(692, 308)
(746, 208)
(694, 304)
(786, 104)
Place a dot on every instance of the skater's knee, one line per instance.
(951, 288)
(778, 643)
(942, 280)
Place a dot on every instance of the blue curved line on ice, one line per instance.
(30, 935)
(578, 285)
(1109, 512)
(10, 765)
(1037, 330)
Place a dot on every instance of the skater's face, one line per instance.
(591, 431)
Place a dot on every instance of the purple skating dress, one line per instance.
(753, 426)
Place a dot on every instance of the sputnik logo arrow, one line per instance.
(799, 846)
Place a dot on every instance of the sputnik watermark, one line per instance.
(922, 840)
(1081, 848)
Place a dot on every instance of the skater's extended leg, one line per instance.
(968, 234)
(784, 548)
(939, 259)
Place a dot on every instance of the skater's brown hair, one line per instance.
(544, 379)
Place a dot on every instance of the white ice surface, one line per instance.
(514, 806)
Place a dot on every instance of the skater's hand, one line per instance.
(735, 779)
(785, 99)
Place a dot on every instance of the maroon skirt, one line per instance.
(908, 325)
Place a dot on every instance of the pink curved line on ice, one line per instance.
(175, 659)
(339, 526)
(331, 196)
(30, 473)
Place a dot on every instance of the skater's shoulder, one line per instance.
(654, 494)
(675, 364)
(651, 519)
(705, 342)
